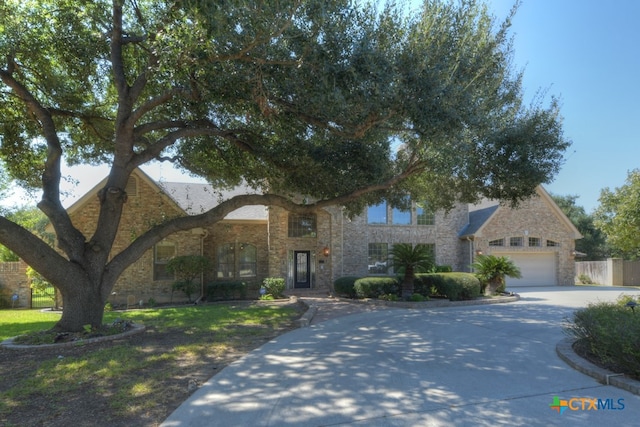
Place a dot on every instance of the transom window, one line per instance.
(552, 243)
(516, 241)
(302, 225)
(535, 241)
(497, 242)
(162, 253)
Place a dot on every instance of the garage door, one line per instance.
(538, 269)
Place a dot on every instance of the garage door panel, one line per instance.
(538, 269)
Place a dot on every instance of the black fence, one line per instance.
(43, 298)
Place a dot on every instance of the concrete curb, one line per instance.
(564, 349)
(135, 329)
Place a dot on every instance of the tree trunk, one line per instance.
(83, 305)
(407, 283)
(492, 287)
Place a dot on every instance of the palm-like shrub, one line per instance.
(492, 270)
(411, 260)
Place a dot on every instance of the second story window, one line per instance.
(424, 214)
(377, 214)
(302, 225)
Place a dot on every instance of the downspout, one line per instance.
(203, 235)
(470, 253)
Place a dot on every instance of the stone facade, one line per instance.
(537, 219)
(14, 281)
(338, 246)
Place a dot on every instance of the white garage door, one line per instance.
(538, 269)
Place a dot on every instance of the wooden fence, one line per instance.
(612, 272)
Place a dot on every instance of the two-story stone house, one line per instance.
(311, 251)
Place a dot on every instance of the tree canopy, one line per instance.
(593, 243)
(618, 216)
(270, 93)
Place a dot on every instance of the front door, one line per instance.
(301, 269)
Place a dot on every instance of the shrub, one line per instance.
(344, 286)
(611, 332)
(373, 287)
(226, 290)
(461, 286)
(455, 286)
(188, 287)
(187, 268)
(274, 286)
(442, 269)
(585, 280)
(389, 297)
(425, 284)
(415, 297)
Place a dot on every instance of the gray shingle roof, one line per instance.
(196, 198)
(478, 215)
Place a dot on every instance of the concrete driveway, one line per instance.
(465, 366)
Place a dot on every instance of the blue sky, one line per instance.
(587, 52)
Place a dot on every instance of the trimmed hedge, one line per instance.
(344, 286)
(373, 287)
(226, 290)
(274, 286)
(455, 286)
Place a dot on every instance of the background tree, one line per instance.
(33, 220)
(266, 92)
(618, 216)
(593, 242)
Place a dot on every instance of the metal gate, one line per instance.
(43, 298)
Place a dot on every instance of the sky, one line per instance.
(586, 53)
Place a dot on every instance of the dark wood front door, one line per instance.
(301, 269)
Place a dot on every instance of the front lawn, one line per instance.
(137, 380)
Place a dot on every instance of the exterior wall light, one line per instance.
(325, 251)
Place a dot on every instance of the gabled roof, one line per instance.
(480, 215)
(477, 218)
(195, 199)
(190, 198)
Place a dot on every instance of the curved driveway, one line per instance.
(465, 366)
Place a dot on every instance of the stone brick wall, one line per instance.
(145, 207)
(357, 235)
(533, 218)
(281, 248)
(239, 232)
(13, 280)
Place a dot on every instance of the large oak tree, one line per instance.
(340, 102)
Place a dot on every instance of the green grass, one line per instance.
(133, 378)
(18, 322)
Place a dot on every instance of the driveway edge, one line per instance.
(564, 349)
